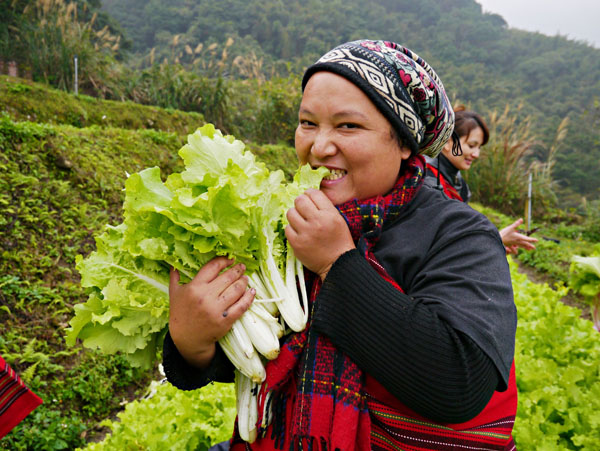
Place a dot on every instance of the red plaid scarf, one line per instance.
(317, 397)
(16, 400)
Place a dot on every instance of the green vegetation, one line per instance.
(166, 69)
(170, 419)
(24, 100)
(585, 279)
(191, 56)
(557, 360)
(482, 62)
(59, 185)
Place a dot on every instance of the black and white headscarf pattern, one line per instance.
(402, 86)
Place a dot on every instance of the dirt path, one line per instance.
(571, 299)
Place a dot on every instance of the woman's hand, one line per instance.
(317, 232)
(513, 239)
(203, 310)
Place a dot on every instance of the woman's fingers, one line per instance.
(173, 280)
(312, 203)
(212, 269)
(230, 277)
(319, 199)
(239, 306)
(232, 293)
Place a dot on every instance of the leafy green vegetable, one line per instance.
(128, 305)
(172, 419)
(585, 279)
(224, 202)
(557, 361)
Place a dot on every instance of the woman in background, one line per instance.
(444, 173)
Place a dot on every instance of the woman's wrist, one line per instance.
(197, 357)
(201, 359)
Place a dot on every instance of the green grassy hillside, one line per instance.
(25, 100)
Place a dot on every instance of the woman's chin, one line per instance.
(337, 197)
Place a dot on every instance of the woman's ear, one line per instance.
(447, 149)
(405, 153)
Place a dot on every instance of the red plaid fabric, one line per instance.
(16, 400)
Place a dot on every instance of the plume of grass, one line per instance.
(499, 179)
(544, 186)
(51, 34)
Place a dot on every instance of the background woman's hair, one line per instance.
(466, 121)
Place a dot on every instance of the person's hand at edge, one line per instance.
(513, 239)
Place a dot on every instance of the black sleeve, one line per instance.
(402, 342)
(186, 377)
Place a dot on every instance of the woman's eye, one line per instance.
(348, 125)
(306, 123)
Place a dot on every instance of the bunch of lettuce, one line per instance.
(585, 279)
(224, 202)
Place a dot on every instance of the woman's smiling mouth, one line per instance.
(335, 174)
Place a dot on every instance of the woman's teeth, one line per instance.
(335, 174)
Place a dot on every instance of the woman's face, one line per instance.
(341, 129)
(471, 146)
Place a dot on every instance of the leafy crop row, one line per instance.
(171, 419)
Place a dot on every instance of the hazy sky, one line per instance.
(576, 19)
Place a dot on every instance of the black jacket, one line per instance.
(452, 175)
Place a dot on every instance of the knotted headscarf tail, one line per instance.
(402, 86)
(315, 393)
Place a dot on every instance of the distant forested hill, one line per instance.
(482, 62)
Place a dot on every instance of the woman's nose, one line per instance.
(475, 153)
(323, 146)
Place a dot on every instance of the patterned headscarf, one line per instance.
(402, 86)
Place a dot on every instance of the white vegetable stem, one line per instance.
(247, 407)
(261, 334)
(251, 367)
(289, 307)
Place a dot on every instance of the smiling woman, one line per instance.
(410, 339)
